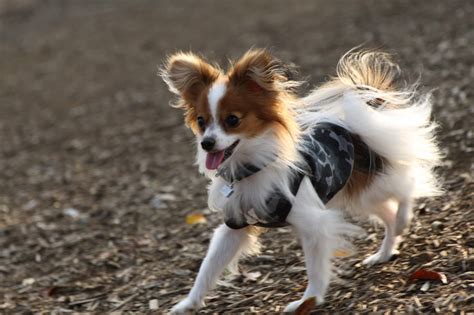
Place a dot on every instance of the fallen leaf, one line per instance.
(306, 307)
(424, 274)
(195, 218)
(339, 253)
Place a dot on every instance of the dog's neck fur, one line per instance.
(276, 153)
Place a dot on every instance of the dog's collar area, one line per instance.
(243, 172)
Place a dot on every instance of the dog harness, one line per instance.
(329, 157)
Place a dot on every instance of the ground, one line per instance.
(97, 174)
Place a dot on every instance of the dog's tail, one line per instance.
(368, 70)
(393, 120)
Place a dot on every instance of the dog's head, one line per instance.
(242, 116)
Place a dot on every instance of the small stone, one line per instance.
(156, 202)
(153, 304)
(159, 200)
(30, 205)
(347, 273)
(166, 197)
(425, 287)
(71, 212)
(28, 281)
(437, 225)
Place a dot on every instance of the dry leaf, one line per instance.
(424, 274)
(306, 307)
(195, 218)
(339, 253)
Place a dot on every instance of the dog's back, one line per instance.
(392, 125)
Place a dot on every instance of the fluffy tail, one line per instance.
(368, 70)
(393, 121)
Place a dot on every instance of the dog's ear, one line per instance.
(187, 76)
(258, 71)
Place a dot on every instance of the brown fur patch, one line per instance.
(258, 110)
(199, 109)
(256, 94)
(367, 165)
(257, 68)
(188, 76)
(358, 182)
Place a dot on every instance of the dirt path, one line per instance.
(96, 173)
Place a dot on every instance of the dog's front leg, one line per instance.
(321, 231)
(226, 246)
(318, 268)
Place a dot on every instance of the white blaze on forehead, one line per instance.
(216, 92)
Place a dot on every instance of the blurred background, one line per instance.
(96, 170)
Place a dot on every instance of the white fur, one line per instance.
(214, 129)
(403, 136)
(215, 94)
(223, 140)
(255, 190)
(321, 232)
(226, 247)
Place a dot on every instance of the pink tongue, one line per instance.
(214, 159)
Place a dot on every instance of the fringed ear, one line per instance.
(259, 71)
(187, 76)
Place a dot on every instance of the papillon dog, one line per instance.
(360, 145)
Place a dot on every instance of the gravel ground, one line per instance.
(96, 174)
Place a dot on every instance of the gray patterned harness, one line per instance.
(330, 154)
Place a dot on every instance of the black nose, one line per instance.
(208, 143)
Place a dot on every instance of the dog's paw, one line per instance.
(298, 307)
(187, 306)
(379, 258)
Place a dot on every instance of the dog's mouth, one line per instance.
(216, 158)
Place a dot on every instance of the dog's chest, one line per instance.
(327, 159)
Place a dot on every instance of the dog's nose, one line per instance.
(208, 143)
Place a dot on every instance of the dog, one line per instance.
(359, 145)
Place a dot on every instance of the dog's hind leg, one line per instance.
(387, 212)
(225, 248)
(404, 216)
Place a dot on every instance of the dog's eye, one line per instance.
(201, 122)
(232, 121)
